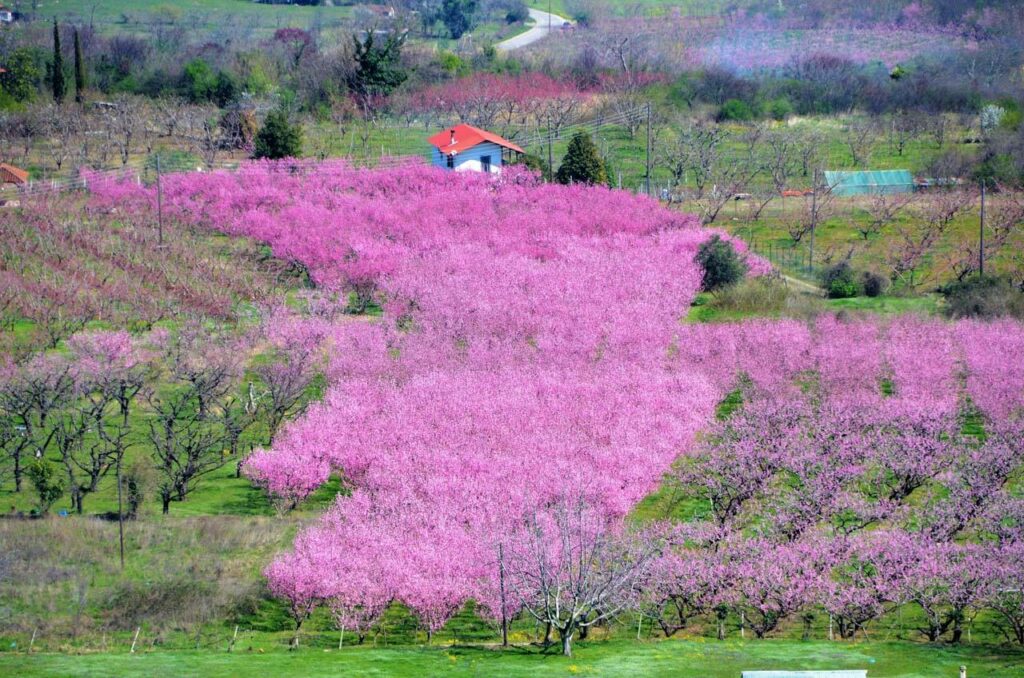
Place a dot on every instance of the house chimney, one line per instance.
(453, 139)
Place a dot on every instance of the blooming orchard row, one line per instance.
(531, 382)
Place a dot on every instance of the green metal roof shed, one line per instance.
(877, 182)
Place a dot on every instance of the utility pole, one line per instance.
(120, 513)
(647, 180)
(159, 205)
(981, 234)
(551, 161)
(814, 218)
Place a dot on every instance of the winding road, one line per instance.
(537, 32)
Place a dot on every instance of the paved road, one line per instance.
(539, 31)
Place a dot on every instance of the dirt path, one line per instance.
(802, 286)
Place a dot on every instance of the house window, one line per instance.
(451, 162)
(485, 163)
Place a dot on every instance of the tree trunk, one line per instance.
(567, 643)
(165, 501)
(547, 634)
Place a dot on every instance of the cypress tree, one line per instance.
(582, 163)
(79, 70)
(278, 138)
(58, 66)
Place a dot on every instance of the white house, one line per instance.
(465, 147)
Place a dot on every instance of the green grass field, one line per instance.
(710, 659)
(114, 15)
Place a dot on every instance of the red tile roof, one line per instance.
(465, 137)
(9, 174)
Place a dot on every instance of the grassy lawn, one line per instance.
(709, 659)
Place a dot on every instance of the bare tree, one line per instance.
(287, 379)
(695, 152)
(905, 127)
(915, 241)
(31, 396)
(571, 569)
(1004, 224)
(124, 121)
(883, 209)
(808, 149)
(816, 208)
(860, 137)
(63, 129)
(719, 178)
(185, 445)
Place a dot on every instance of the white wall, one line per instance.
(469, 160)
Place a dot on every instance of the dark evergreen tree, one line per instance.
(582, 163)
(457, 16)
(278, 138)
(79, 70)
(378, 71)
(57, 75)
(722, 265)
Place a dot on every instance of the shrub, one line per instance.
(779, 109)
(47, 481)
(840, 281)
(763, 294)
(534, 163)
(721, 264)
(983, 297)
(873, 284)
(734, 109)
(278, 138)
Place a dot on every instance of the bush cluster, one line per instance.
(842, 281)
(983, 297)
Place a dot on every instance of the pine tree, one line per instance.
(278, 138)
(582, 163)
(79, 70)
(58, 66)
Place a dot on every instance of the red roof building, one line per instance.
(464, 147)
(9, 174)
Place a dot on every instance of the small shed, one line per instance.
(9, 174)
(872, 182)
(465, 147)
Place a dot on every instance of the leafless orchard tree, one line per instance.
(774, 154)
(916, 240)
(628, 52)
(572, 570)
(815, 209)
(905, 127)
(860, 136)
(1004, 226)
(65, 125)
(883, 209)
(808, 147)
(125, 125)
(695, 152)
